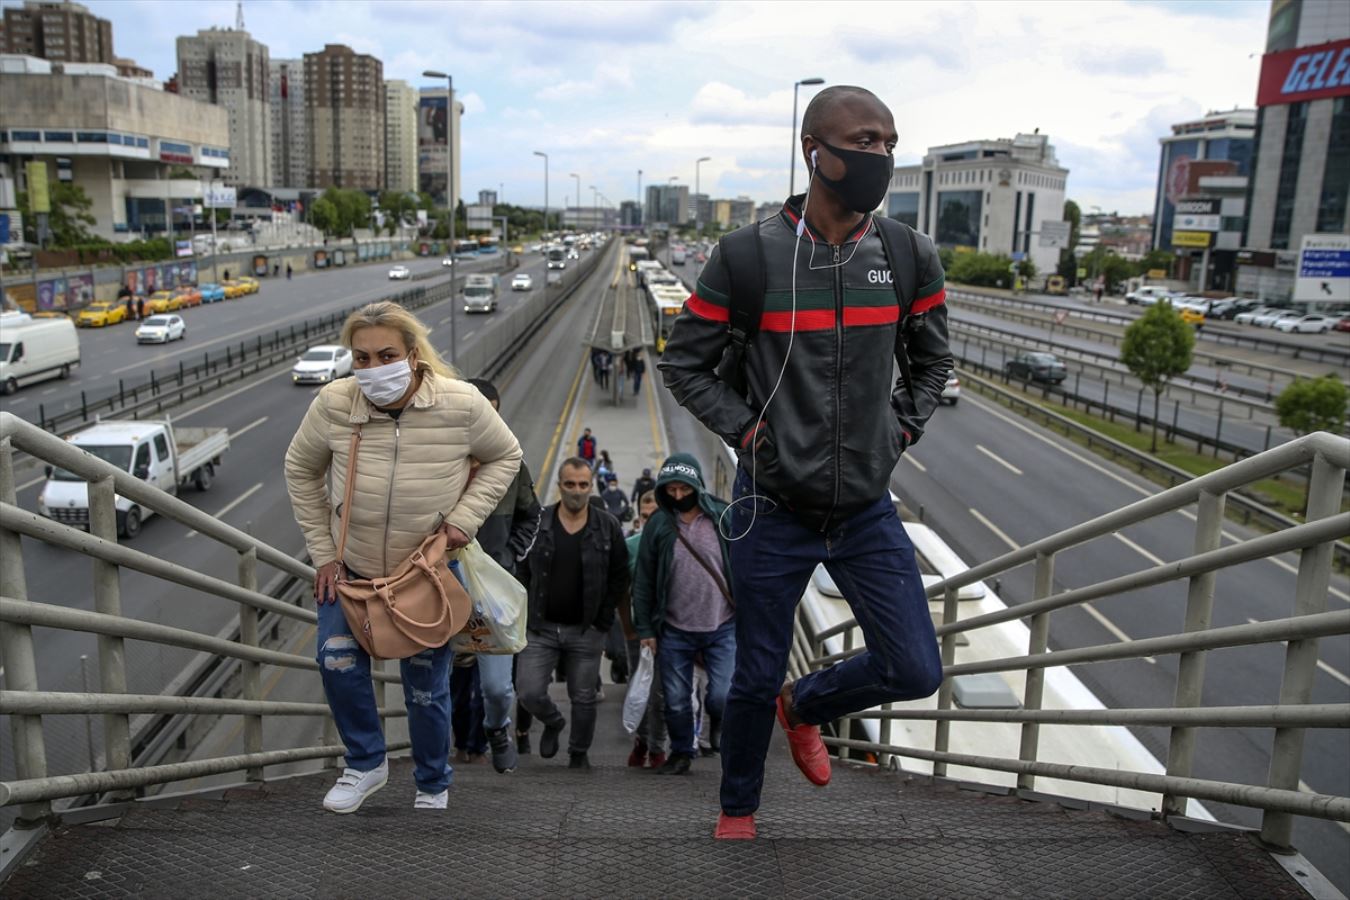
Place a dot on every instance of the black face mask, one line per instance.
(685, 503)
(867, 176)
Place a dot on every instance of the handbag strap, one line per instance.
(698, 558)
(347, 491)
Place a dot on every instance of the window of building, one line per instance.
(1290, 161)
(1336, 175)
(904, 207)
(91, 137)
(35, 136)
(56, 137)
(143, 142)
(958, 222)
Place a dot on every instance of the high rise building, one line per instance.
(487, 198)
(742, 212)
(667, 204)
(400, 136)
(344, 102)
(60, 32)
(989, 196)
(229, 68)
(629, 214)
(1300, 184)
(1218, 137)
(437, 134)
(290, 133)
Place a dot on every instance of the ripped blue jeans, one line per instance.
(345, 669)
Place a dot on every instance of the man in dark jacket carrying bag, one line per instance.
(836, 298)
(576, 573)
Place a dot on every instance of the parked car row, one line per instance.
(102, 313)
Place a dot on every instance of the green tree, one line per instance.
(1104, 262)
(1156, 259)
(323, 215)
(1313, 404)
(1068, 260)
(68, 219)
(1157, 347)
(982, 269)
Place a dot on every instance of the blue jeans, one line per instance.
(345, 669)
(466, 710)
(675, 651)
(872, 561)
(498, 687)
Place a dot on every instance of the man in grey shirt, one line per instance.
(682, 605)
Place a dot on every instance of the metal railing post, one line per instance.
(1311, 587)
(250, 672)
(1191, 664)
(112, 654)
(841, 726)
(1035, 686)
(942, 733)
(16, 642)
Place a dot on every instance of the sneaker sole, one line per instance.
(364, 798)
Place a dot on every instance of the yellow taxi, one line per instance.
(1192, 316)
(518, 248)
(100, 313)
(162, 302)
(234, 289)
(250, 284)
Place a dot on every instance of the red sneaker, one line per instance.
(637, 758)
(808, 750)
(735, 828)
(656, 760)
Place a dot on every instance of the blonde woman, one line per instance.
(420, 428)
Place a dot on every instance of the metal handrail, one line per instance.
(1318, 539)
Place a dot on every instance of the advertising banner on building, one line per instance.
(51, 294)
(80, 290)
(320, 259)
(218, 196)
(39, 198)
(1324, 270)
(1189, 239)
(432, 141)
(1196, 214)
(1305, 73)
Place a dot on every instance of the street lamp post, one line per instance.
(792, 139)
(639, 199)
(577, 178)
(545, 156)
(698, 163)
(595, 205)
(450, 195)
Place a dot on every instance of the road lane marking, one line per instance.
(995, 529)
(918, 465)
(223, 397)
(470, 334)
(562, 422)
(229, 507)
(1325, 667)
(1156, 560)
(445, 320)
(996, 458)
(50, 390)
(247, 428)
(1288, 567)
(1114, 629)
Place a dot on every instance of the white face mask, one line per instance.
(385, 385)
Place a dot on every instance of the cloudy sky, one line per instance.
(607, 88)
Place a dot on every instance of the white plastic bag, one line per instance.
(500, 606)
(639, 689)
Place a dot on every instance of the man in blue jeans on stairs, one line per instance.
(840, 300)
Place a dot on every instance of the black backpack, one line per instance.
(742, 255)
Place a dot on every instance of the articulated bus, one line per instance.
(666, 302)
(487, 246)
(466, 247)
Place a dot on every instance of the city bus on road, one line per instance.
(466, 247)
(666, 302)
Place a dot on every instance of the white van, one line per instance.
(33, 350)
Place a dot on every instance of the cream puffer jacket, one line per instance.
(410, 473)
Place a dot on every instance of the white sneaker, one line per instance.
(432, 801)
(354, 787)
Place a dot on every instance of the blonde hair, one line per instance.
(388, 314)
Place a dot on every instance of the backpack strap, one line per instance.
(905, 280)
(742, 257)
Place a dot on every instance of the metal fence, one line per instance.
(1308, 620)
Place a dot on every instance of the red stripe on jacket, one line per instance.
(924, 304)
(706, 310)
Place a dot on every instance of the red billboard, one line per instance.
(1305, 73)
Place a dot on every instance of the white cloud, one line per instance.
(607, 77)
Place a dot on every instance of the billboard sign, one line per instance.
(1197, 239)
(1305, 73)
(39, 198)
(1055, 234)
(1324, 270)
(478, 217)
(218, 196)
(1196, 214)
(432, 131)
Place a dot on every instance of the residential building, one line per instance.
(630, 215)
(1300, 180)
(667, 204)
(228, 68)
(487, 198)
(1227, 137)
(344, 114)
(118, 138)
(721, 213)
(290, 130)
(400, 136)
(767, 210)
(438, 135)
(700, 209)
(742, 212)
(986, 195)
(60, 32)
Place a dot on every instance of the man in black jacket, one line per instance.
(819, 426)
(576, 573)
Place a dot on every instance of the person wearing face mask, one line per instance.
(818, 315)
(682, 601)
(576, 573)
(649, 743)
(421, 429)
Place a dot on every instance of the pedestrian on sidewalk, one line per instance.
(802, 497)
(506, 536)
(616, 501)
(620, 376)
(586, 447)
(604, 467)
(642, 484)
(140, 307)
(682, 602)
(576, 573)
(408, 404)
(649, 742)
(288, 271)
(637, 367)
(606, 364)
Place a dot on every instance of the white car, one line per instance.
(1250, 316)
(447, 261)
(322, 364)
(1147, 295)
(400, 273)
(1270, 317)
(1309, 324)
(951, 392)
(522, 282)
(161, 330)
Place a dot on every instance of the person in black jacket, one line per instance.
(819, 426)
(576, 573)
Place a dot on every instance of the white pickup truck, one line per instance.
(154, 451)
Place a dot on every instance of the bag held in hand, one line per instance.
(416, 608)
(499, 606)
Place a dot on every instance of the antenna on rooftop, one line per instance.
(239, 15)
